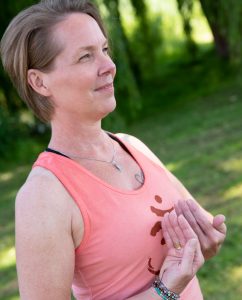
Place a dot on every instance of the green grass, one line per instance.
(201, 143)
(197, 133)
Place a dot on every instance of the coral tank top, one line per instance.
(123, 248)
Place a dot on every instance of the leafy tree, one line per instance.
(185, 8)
(10, 100)
(146, 40)
(146, 44)
(224, 18)
(126, 85)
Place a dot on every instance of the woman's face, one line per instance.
(81, 82)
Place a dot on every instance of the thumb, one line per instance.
(188, 255)
(218, 223)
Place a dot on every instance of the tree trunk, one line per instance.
(126, 86)
(212, 10)
(185, 8)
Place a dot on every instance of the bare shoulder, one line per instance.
(45, 199)
(44, 240)
(42, 207)
(39, 176)
(41, 193)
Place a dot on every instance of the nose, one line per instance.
(107, 66)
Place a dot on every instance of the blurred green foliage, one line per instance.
(9, 132)
(224, 18)
(138, 49)
(191, 94)
(199, 139)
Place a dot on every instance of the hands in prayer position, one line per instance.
(211, 234)
(191, 238)
(184, 257)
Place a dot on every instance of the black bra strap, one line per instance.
(56, 152)
(111, 136)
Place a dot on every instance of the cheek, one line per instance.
(82, 80)
(86, 79)
(70, 83)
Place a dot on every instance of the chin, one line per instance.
(113, 105)
(109, 107)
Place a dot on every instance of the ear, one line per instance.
(36, 81)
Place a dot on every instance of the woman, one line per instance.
(97, 210)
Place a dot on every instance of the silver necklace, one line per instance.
(112, 161)
(140, 177)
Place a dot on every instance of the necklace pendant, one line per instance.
(140, 177)
(117, 166)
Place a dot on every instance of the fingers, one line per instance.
(178, 209)
(218, 223)
(196, 218)
(169, 232)
(192, 258)
(186, 228)
(210, 234)
(208, 228)
(188, 255)
(176, 230)
(199, 216)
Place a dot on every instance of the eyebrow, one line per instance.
(91, 47)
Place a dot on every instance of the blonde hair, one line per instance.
(29, 43)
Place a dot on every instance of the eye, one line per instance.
(84, 57)
(106, 50)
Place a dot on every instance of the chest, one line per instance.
(124, 238)
(127, 221)
(124, 173)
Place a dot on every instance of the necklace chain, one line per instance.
(112, 161)
(138, 176)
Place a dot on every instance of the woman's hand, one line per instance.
(211, 235)
(184, 257)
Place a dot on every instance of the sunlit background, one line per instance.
(178, 89)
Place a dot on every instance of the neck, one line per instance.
(78, 138)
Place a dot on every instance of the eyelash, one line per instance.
(86, 56)
(106, 49)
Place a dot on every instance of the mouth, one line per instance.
(104, 87)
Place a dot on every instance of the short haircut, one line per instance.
(28, 43)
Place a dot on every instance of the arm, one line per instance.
(44, 243)
(211, 231)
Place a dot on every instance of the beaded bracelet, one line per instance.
(163, 291)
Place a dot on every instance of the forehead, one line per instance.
(78, 30)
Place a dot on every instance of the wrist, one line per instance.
(163, 291)
(173, 285)
(153, 294)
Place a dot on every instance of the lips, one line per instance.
(105, 85)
